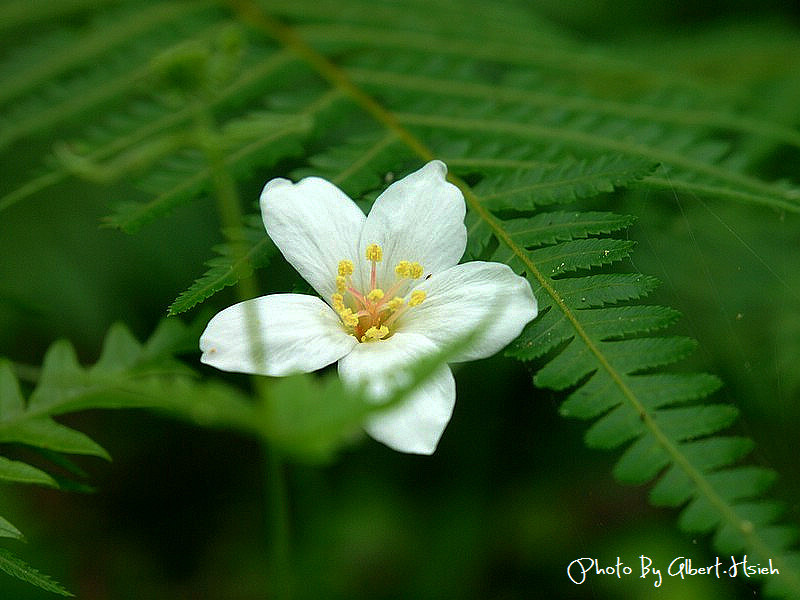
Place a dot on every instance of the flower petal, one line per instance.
(459, 299)
(314, 225)
(293, 333)
(419, 218)
(417, 423)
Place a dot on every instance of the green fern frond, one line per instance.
(569, 180)
(245, 251)
(21, 426)
(20, 472)
(50, 56)
(127, 374)
(16, 567)
(611, 376)
(186, 177)
(122, 133)
(8, 530)
(120, 74)
(470, 86)
(367, 157)
(525, 90)
(610, 373)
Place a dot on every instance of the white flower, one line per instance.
(392, 291)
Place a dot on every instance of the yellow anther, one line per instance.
(375, 333)
(345, 268)
(402, 269)
(374, 253)
(348, 318)
(375, 295)
(341, 283)
(395, 303)
(417, 296)
(338, 303)
(415, 270)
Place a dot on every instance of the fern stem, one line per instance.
(279, 571)
(230, 212)
(337, 77)
(228, 201)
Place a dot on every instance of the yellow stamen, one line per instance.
(372, 312)
(402, 269)
(338, 303)
(374, 253)
(345, 268)
(348, 318)
(375, 333)
(417, 297)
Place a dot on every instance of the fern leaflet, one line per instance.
(231, 266)
(16, 567)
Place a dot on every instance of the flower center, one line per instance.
(369, 314)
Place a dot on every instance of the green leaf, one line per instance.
(190, 177)
(11, 400)
(46, 433)
(552, 227)
(247, 250)
(8, 530)
(128, 374)
(571, 180)
(602, 289)
(16, 567)
(12, 470)
(566, 257)
(310, 418)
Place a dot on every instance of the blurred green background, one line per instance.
(510, 497)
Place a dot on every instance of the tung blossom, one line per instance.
(391, 291)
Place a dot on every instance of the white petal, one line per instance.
(419, 218)
(315, 225)
(292, 333)
(417, 423)
(461, 298)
